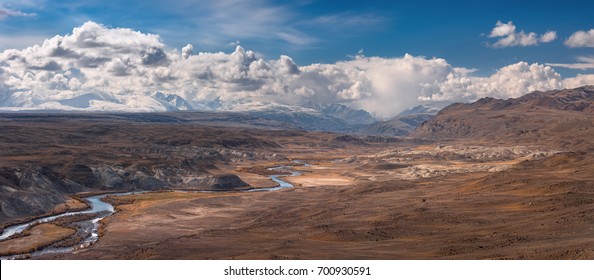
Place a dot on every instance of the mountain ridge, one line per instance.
(560, 118)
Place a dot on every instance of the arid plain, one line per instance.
(464, 191)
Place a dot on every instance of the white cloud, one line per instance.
(581, 39)
(6, 12)
(121, 68)
(296, 38)
(510, 81)
(25, 3)
(502, 29)
(508, 37)
(220, 21)
(584, 63)
(215, 24)
(348, 19)
(579, 80)
(234, 43)
(187, 51)
(548, 37)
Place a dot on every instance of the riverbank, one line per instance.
(534, 210)
(39, 237)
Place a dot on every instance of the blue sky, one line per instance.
(381, 56)
(323, 31)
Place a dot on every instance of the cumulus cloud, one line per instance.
(508, 37)
(100, 68)
(510, 81)
(187, 51)
(6, 12)
(581, 39)
(548, 37)
(579, 80)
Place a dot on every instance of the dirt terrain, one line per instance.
(459, 192)
(532, 210)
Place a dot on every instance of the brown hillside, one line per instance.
(561, 119)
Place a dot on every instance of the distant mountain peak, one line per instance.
(577, 99)
(343, 112)
(419, 109)
(174, 102)
(86, 100)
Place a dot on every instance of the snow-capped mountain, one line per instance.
(310, 116)
(326, 117)
(403, 124)
(343, 112)
(173, 102)
(99, 102)
(420, 109)
(88, 100)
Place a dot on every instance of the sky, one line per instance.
(381, 56)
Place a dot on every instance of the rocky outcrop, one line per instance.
(35, 191)
(108, 178)
(397, 126)
(225, 182)
(81, 174)
(34, 178)
(45, 158)
(32, 191)
(143, 181)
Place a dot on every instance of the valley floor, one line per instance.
(359, 198)
(372, 207)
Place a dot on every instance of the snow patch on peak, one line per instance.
(173, 102)
(87, 100)
(420, 109)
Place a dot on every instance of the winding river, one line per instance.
(104, 209)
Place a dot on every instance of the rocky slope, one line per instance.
(397, 126)
(33, 191)
(560, 119)
(46, 159)
(38, 190)
(317, 117)
(349, 115)
(401, 125)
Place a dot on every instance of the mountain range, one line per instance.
(310, 116)
(532, 118)
(402, 124)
